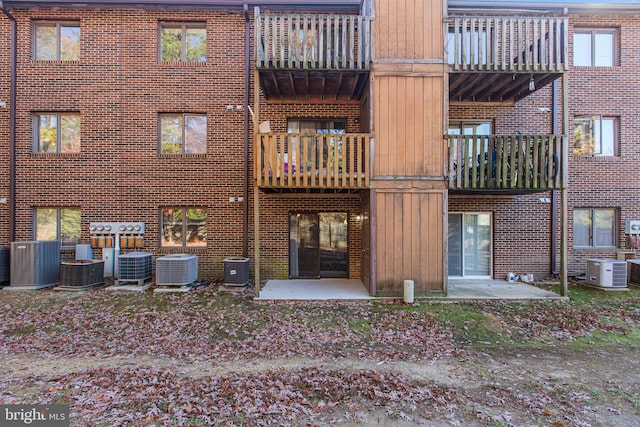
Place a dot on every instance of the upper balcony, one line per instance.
(507, 163)
(503, 59)
(312, 56)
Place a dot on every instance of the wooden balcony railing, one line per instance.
(290, 160)
(507, 44)
(506, 162)
(315, 42)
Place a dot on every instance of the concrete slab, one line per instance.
(314, 289)
(490, 289)
(346, 289)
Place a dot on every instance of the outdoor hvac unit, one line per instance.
(135, 266)
(35, 264)
(176, 269)
(607, 273)
(236, 271)
(81, 273)
(4, 264)
(633, 272)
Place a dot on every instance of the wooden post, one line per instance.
(564, 290)
(256, 190)
(256, 239)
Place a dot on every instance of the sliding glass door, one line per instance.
(470, 245)
(318, 244)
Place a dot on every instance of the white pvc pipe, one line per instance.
(408, 291)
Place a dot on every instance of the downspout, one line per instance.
(12, 125)
(554, 193)
(247, 70)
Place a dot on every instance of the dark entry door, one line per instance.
(318, 244)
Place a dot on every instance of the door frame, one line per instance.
(463, 276)
(317, 213)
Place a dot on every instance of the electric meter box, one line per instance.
(632, 226)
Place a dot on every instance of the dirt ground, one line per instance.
(600, 381)
(363, 365)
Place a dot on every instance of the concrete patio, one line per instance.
(348, 289)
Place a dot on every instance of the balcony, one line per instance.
(506, 163)
(312, 161)
(312, 56)
(503, 59)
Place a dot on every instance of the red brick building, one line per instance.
(148, 111)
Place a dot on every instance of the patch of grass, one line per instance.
(360, 326)
(587, 295)
(598, 337)
(469, 324)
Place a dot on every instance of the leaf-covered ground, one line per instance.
(211, 357)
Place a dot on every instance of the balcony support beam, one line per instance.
(564, 232)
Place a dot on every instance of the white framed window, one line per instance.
(182, 42)
(61, 224)
(332, 147)
(183, 133)
(460, 127)
(56, 41)
(595, 136)
(481, 128)
(316, 126)
(594, 47)
(56, 132)
(184, 227)
(594, 228)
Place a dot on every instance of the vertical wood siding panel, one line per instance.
(409, 29)
(420, 138)
(412, 127)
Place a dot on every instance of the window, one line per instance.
(57, 41)
(57, 133)
(183, 227)
(183, 134)
(183, 42)
(594, 228)
(472, 128)
(330, 145)
(58, 224)
(594, 47)
(469, 128)
(316, 126)
(595, 136)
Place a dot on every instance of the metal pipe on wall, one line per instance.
(247, 70)
(554, 194)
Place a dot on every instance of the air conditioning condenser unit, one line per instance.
(135, 266)
(633, 272)
(607, 273)
(35, 264)
(176, 270)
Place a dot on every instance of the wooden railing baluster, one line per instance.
(523, 44)
(505, 162)
(298, 160)
(301, 41)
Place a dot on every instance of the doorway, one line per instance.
(470, 245)
(318, 245)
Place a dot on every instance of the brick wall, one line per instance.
(607, 182)
(274, 228)
(119, 88)
(5, 118)
(522, 223)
